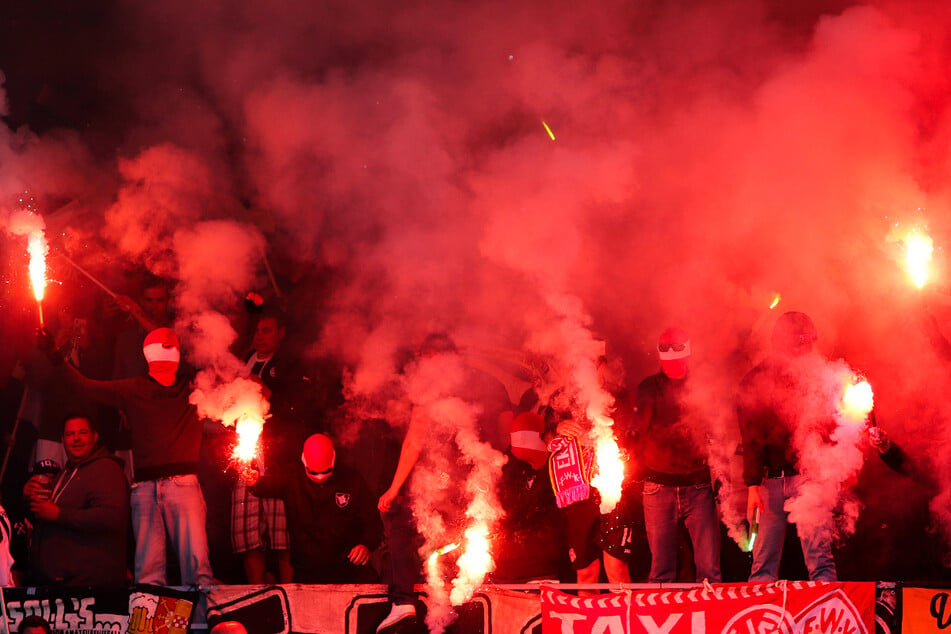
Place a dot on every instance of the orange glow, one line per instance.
(610, 467)
(857, 401)
(38, 249)
(474, 563)
(776, 298)
(248, 428)
(918, 250)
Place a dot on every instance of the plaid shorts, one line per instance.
(256, 522)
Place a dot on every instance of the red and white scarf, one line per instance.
(570, 470)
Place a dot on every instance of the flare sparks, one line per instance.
(857, 401)
(38, 248)
(610, 475)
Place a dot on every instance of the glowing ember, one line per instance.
(776, 298)
(26, 222)
(474, 563)
(448, 548)
(548, 130)
(754, 531)
(610, 474)
(38, 249)
(918, 250)
(857, 401)
(248, 428)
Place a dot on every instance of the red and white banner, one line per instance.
(793, 607)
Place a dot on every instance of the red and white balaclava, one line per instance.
(318, 458)
(163, 353)
(673, 348)
(527, 443)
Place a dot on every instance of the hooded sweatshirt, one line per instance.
(87, 545)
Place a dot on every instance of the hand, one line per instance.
(360, 555)
(570, 428)
(253, 303)
(754, 503)
(35, 489)
(386, 499)
(45, 510)
(125, 303)
(879, 440)
(250, 474)
(47, 345)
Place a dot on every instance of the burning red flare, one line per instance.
(248, 427)
(38, 248)
(857, 401)
(610, 474)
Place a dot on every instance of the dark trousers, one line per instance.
(403, 542)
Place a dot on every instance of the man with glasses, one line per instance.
(331, 516)
(670, 436)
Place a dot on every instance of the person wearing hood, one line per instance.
(167, 500)
(80, 515)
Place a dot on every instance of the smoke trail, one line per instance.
(830, 440)
(453, 453)
(569, 341)
(216, 264)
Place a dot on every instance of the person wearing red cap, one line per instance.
(678, 487)
(331, 516)
(167, 501)
(770, 400)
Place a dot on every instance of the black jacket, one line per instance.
(325, 521)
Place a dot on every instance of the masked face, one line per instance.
(318, 477)
(318, 458)
(673, 348)
(162, 351)
(527, 443)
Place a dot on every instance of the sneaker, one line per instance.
(400, 612)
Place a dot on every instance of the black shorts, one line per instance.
(590, 533)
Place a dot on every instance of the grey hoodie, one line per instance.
(87, 545)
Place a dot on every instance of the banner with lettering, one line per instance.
(793, 607)
(140, 610)
(925, 610)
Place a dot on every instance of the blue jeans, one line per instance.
(173, 506)
(664, 508)
(768, 548)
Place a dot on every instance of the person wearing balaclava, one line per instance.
(771, 399)
(530, 542)
(331, 515)
(670, 437)
(167, 501)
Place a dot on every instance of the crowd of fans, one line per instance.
(108, 463)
